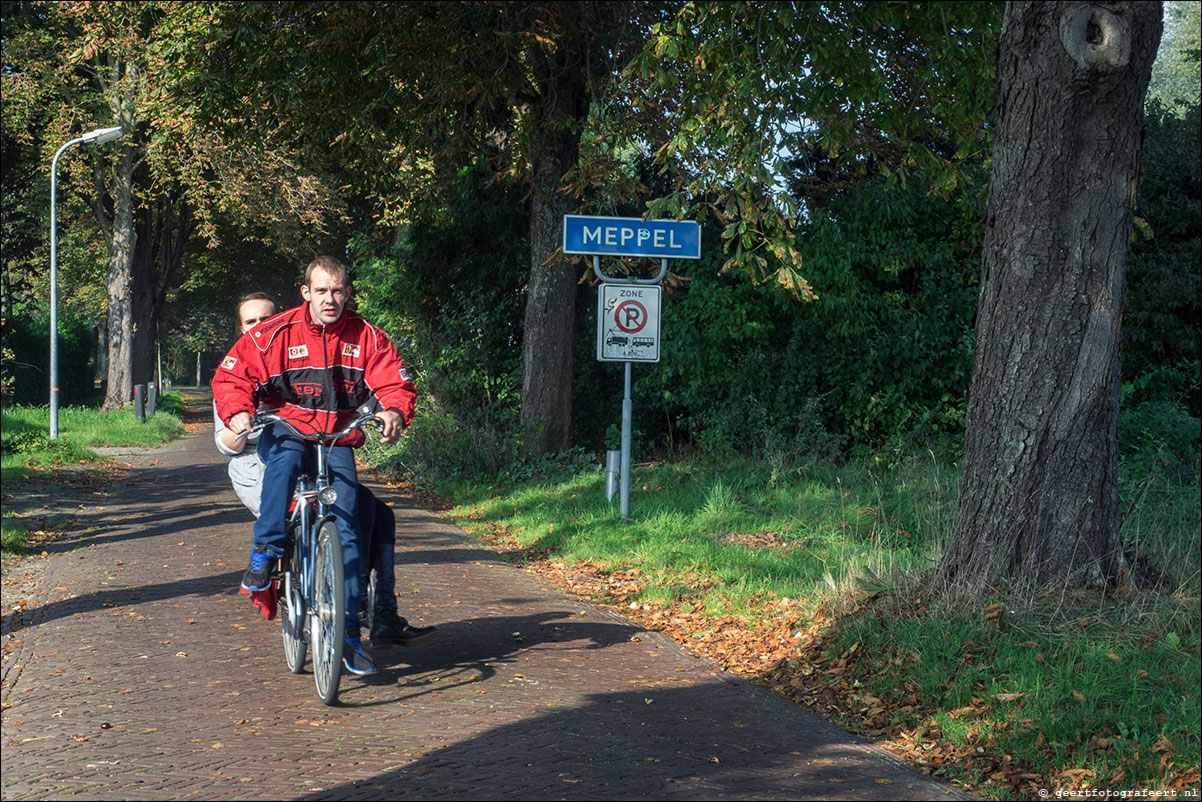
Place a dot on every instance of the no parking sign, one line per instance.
(628, 320)
(628, 323)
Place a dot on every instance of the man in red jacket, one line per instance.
(314, 365)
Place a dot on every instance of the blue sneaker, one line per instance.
(258, 573)
(355, 660)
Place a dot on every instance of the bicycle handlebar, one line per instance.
(259, 422)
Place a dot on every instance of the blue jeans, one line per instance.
(283, 458)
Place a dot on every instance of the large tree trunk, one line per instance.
(550, 319)
(122, 240)
(551, 301)
(1039, 494)
(142, 306)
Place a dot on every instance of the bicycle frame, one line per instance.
(306, 614)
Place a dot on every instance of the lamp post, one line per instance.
(98, 137)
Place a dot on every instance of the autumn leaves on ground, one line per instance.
(811, 584)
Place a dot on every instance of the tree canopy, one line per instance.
(836, 155)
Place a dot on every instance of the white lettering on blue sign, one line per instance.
(627, 236)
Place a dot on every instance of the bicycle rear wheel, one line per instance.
(367, 615)
(328, 616)
(292, 608)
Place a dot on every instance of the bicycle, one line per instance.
(311, 573)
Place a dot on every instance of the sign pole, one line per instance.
(628, 309)
(627, 410)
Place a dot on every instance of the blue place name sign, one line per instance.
(631, 236)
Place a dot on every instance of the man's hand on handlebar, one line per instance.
(392, 425)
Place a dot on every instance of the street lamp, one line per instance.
(97, 137)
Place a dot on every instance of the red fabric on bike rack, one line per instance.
(265, 600)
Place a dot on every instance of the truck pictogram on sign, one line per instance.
(628, 323)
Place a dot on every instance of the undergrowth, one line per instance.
(1003, 692)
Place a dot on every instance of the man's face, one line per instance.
(252, 311)
(326, 296)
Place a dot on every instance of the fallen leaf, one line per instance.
(1163, 744)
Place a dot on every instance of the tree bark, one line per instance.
(143, 300)
(122, 240)
(550, 320)
(1039, 493)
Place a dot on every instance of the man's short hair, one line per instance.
(329, 264)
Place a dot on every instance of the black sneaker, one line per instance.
(406, 635)
(355, 660)
(258, 573)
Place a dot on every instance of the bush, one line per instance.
(450, 293)
(27, 361)
(1159, 436)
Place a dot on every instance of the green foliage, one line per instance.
(726, 92)
(1156, 436)
(896, 270)
(1162, 335)
(882, 355)
(27, 360)
(451, 294)
(723, 336)
(1175, 75)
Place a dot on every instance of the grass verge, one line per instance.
(26, 448)
(808, 580)
(25, 444)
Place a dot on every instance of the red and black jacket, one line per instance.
(315, 376)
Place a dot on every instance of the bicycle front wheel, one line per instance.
(292, 608)
(327, 618)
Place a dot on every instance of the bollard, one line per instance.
(613, 470)
(152, 392)
(140, 401)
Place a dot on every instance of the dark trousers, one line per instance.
(377, 523)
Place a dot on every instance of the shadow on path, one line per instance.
(704, 743)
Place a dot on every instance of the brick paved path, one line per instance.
(141, 674)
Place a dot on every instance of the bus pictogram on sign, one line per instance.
(628, 323)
